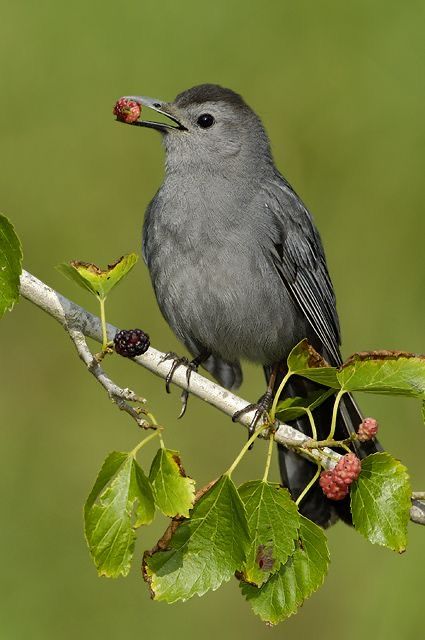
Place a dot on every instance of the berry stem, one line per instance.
(320, 444)
(245, 449)
(308, 487)
(269, 458)
(103, 322)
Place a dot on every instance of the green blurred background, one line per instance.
(340, 88)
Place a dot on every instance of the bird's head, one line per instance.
(211, 127)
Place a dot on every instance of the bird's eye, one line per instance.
(206, 120)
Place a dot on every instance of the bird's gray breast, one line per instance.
(213, 276)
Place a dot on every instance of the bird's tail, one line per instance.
(296, 472)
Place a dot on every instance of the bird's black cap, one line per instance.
(209, 93)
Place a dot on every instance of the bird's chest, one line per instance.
(212, 278)
(195, 259)
(196, 251)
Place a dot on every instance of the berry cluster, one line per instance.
(335, 484)
(127, 110)
(367, 430)
(131, 342)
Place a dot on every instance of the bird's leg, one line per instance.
(191, 365)
(262, 406)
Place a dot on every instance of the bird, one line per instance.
(238, 266)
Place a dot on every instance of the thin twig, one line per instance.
(121, 397)
(74, 318)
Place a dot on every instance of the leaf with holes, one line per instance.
(10, 266)
(120, 501)
(306, 362)
(273, 521)
(391, 372)
(173, 491)
(98, 281)
(304, 572)
(198, 554)
(381, 500)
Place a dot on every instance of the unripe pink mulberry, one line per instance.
(348, 468)
(332, 487)
(367, 430)
(335, 484)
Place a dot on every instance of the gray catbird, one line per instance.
(237, 264)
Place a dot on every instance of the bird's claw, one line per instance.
(261, 409)
(192, 365)
(177, 361)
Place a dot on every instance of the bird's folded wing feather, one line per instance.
(299, 258)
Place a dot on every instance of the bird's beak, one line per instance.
(160, 107)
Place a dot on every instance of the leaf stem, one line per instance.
(278, 394)
(312, 423)
(269, 458)
(335, 414)
(308, 487)
(245, 449)
(155, 423)
(141, 444)
(103, 323)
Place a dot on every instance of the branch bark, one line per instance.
(79, 323)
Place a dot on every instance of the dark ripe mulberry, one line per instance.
(131, 342)
(367, 429)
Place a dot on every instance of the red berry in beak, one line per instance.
(127, 110)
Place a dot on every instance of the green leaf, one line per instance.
(273, 521)
(304, 572)
(120, 501)
(380, 501)
(306, 362)
(10, 266)
(98, 281)
(292, 408)
(200, 553)
(173, 491)
(392, 372)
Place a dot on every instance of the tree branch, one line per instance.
(79, 323)
(121, 397)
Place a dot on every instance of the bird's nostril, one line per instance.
(157, 105)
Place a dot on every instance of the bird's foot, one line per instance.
(261, 409)
(192, 365)
(177, 361)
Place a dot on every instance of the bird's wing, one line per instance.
(300, 260)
